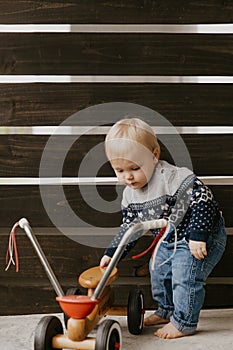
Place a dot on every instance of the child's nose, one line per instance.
(129, 175)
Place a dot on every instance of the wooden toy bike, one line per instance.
(83, 312)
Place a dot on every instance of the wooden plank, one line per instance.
(217, 295)
(68, 258)
(181, 104)
(21, 201)
(21, 154)
(32, 299)
(27, 299)
(200, 148)
(115, 11)
(116, 54)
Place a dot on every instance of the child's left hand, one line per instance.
(198, 249)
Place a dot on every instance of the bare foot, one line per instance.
(169, 331)
(153, 320)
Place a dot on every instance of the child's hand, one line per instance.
(105, 261)
(198, 249)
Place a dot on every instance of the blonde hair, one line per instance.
(132, 129)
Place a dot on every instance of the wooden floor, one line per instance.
(214, 332)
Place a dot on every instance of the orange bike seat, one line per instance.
(91, 277)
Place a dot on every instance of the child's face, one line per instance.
(133, 172)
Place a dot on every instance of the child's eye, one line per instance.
(135, 169)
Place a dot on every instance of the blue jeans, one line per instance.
(178, 285)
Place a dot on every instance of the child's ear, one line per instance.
(156, 155)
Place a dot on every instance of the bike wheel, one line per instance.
(47, 328)
(109, 336)
(135, 311)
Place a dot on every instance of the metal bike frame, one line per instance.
(139, 228)
(24, 224)
(143, 227)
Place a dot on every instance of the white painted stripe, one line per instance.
(217, 180)
(197, 130)
(156, 28)
(220, 280)
(226, 28)
(229, 231)
(107, 181)
(102, 130)
(35, 28)
(18, 79)
(58, 181)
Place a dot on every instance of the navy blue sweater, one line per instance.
(172, 193)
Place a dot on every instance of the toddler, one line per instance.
(156, 189)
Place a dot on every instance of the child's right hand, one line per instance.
(198, 249)
(105, 261)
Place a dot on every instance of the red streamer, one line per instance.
(152, 245)
(12, 249)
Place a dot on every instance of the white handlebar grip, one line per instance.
(162, 223)
(153, 224)
(23, 222)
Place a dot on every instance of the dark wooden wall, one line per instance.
(115, 54)
(118, 11)
(42, 104)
